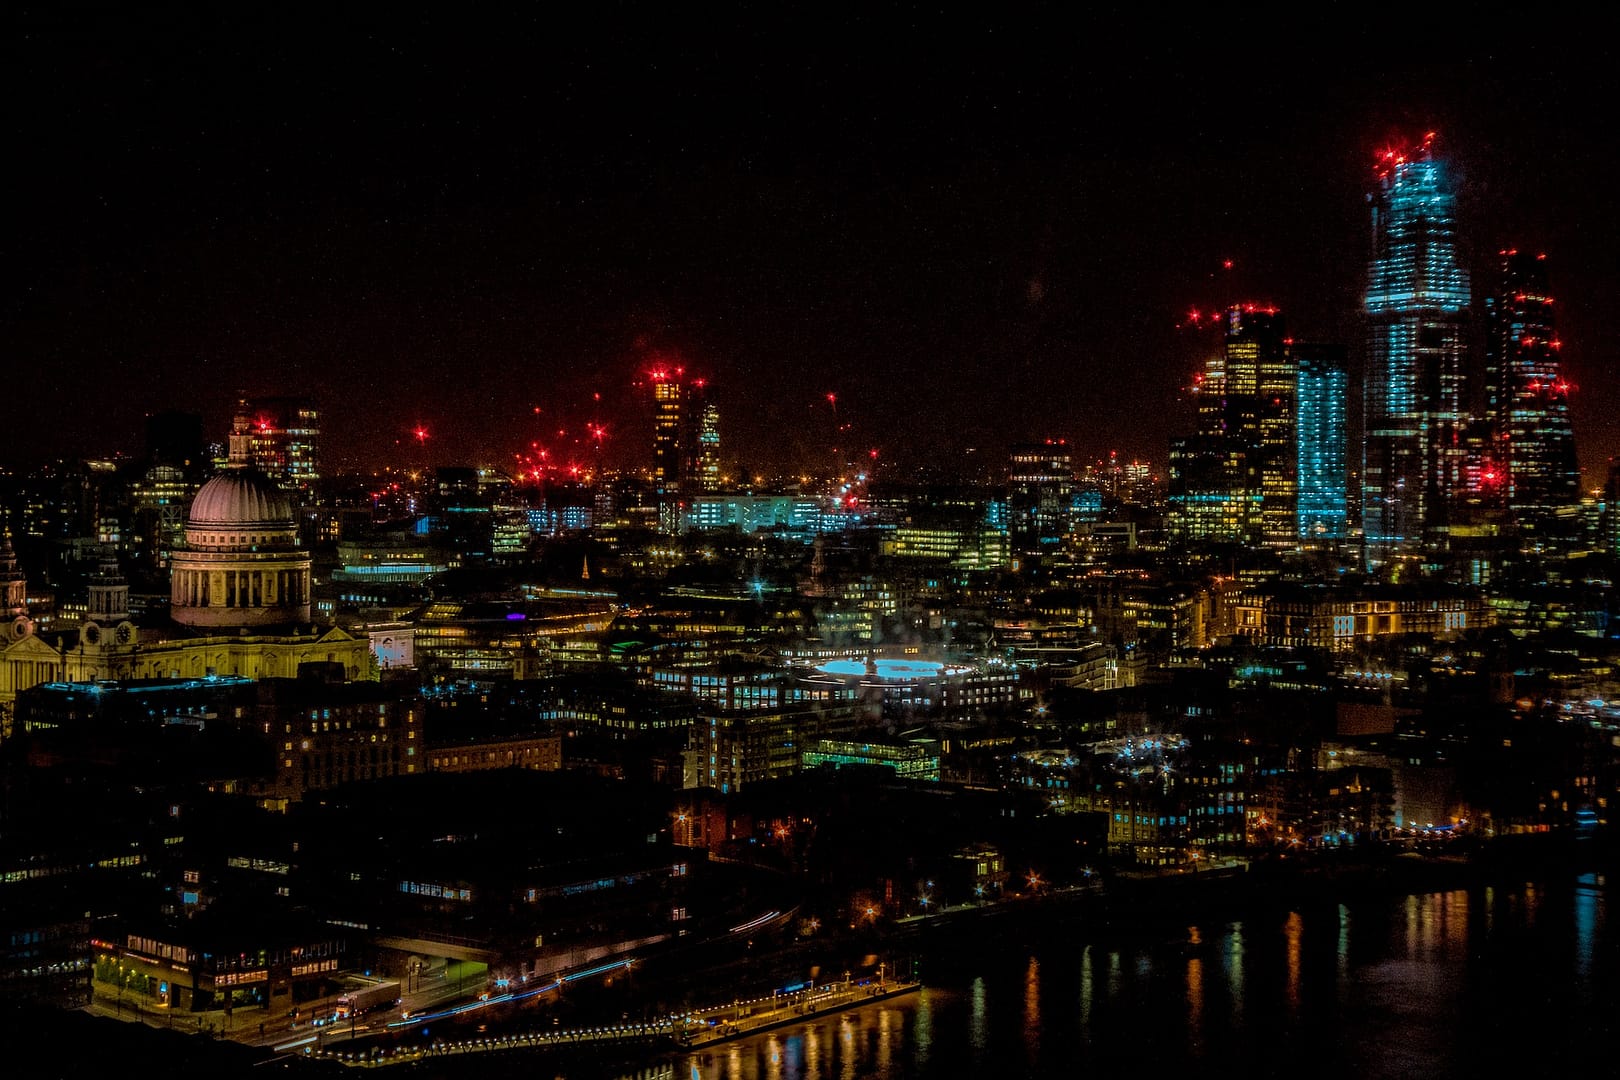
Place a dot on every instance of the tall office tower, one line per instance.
(708, 452)
(680, 455)
(1040, 479)
(1417, 313)
(283, 437)
(1611, 510)
(1235, 479)
(1324, 383)
(1140, 485)
(1529, 395)
(1276, 389)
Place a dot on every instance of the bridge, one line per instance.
(691, 1030)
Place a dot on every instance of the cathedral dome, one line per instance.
(241, 566)
(241, 498)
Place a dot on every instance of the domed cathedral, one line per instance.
(241, 566)
(239, 597)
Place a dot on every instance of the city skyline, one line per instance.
(908, 541)
(929, 252)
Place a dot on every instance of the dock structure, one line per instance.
(687, 1031)
(781, 1009)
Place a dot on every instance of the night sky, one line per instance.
(971, 232)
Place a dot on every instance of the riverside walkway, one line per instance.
(692, 1030)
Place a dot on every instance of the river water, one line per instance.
(1475, 982)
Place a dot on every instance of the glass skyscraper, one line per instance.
(1529, 397)
(284, 435)
(1324, 382)
(686, 444)
(1234, 480)
(1417, 311)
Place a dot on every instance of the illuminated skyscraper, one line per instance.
(1417, 312)
(1235, 480)
(284, 435)
(1323, 481)
(686, 444)
(1040, 489)
(1611, 510)
(1528, 395)
(708, 458)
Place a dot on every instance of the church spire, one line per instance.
(241, 442)
(109, 593)
(13, 583)
(14, 621)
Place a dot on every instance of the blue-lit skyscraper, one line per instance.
(1417, 310)
(1324, 382)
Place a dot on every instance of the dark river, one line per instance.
(1480, 982)
(1509, 980)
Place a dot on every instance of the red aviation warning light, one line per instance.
(1391, 159)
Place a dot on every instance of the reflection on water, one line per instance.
(1437, 985)
(1087, 978)
(978, 1021)
(1293, 929)
(922, 1032)
(1588, 899)
(1232, 946)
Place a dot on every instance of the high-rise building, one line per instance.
(284, 436)
(1040, 489)
(1611, 510)
(708, 462)
(1324, 382)
(686, 444)
(1121, 483)
(1417, 312)
(1235, 479)
(1527, 394)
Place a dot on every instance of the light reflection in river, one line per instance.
(1433, 985)
(1032, 1010)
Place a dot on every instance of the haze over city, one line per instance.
(966, 230)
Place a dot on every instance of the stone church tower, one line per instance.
(14, 621)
